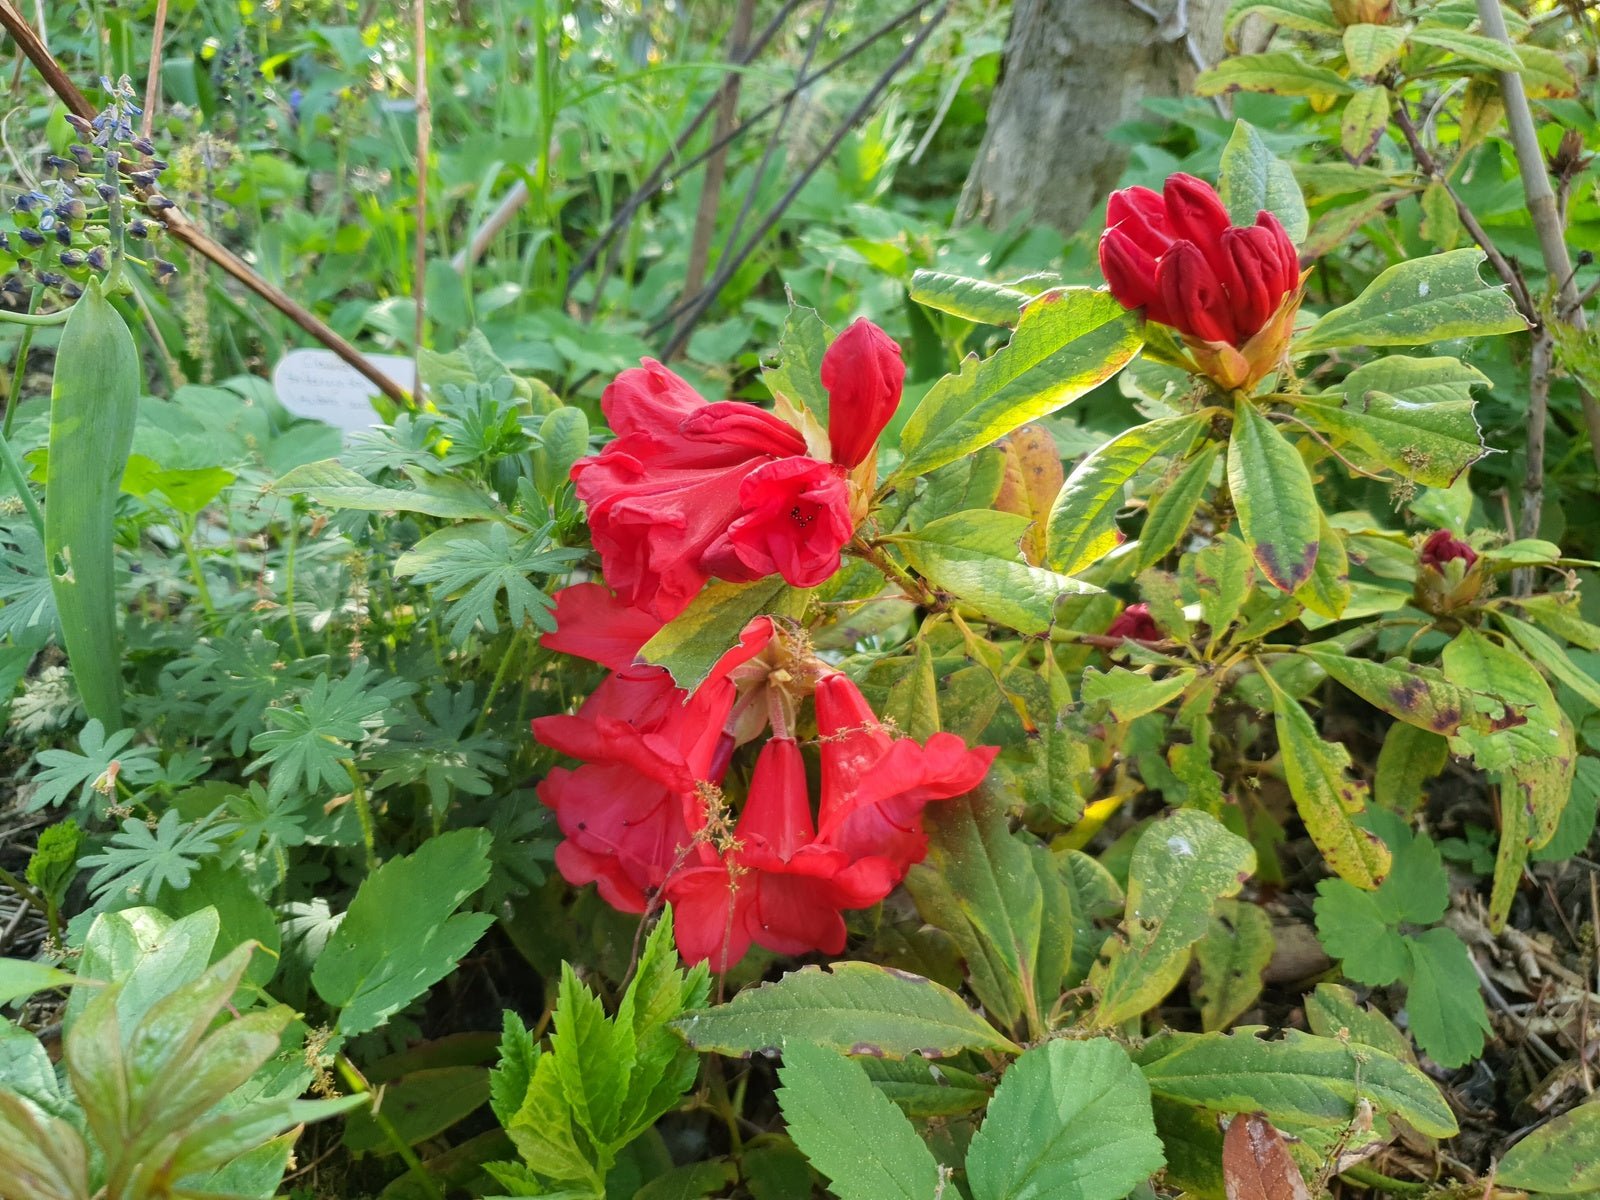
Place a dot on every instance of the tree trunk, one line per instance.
(1073, 70)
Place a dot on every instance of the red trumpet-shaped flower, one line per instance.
(778, 886)
(664, 495)
(1231, 291)
(875, 785)
(863, 374)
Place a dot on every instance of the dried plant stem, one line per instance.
(727, 108)
(1542, 207)
(1538, 418)
(186, 232)
(152, 87)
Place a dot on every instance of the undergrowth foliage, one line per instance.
(837, 766)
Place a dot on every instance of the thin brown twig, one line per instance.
(152, 86)
(185, 231)
(1538, 418)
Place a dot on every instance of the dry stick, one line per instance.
(1541, 199)
(727, 106)
(185, 231)
(659, 176)
(419, 268)
(1538, 418)
(696, 309)
(152, 87)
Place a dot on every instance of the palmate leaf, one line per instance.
(26, 599)
(402, 934)
(474, 565)
(140, 861)
(440, 749)
(310, 743)
(237, 680)
(68, 776)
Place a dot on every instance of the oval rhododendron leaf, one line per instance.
(1561, 1158)
(1279, 72)
(1068, 342)
(1256, 1164)
(1278, 511)
(853, 1007)
(1254, 178)
(689, 645)
(1070, 1120)
(975, 300)
(1419, 301)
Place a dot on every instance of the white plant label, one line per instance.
(320, 385)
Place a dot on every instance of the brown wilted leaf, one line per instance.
(1256, 1164)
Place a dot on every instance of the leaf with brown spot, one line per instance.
(1034, 475)
(1416, 695)
(1256, 1164)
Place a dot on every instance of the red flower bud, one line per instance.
(1187, 266)
(1136, 624)
(863, 374)
(1442, 548)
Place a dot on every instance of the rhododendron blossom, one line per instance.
(1232, 291)
(1135, 624)
(1443, 547)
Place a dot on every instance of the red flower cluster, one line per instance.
(1231, 290)
(646, 814)
(689, 490)
(1441, 548)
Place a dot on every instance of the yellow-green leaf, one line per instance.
(1365, 118)
(689, 645)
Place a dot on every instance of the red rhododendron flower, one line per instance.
(1179, 257)
(1136, 624)
(631, 810)
(669, 485)
(875, 785)
(863, 374)
(592, 623)
(795, 517)
(1441, 548)
(779, 886)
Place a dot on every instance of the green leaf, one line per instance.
(593, 1058)
(510, 1079)
(79, 777)
(1308, 16)
(421, 1105)
(1416, 695)
(1365, 117)
(1280, 72)
(1471, 46)
(1236, 948)
(186, 491)
(1067, 343)
(141, 860)
(1254, 178)
(1353, 927)
(1443, 1002)
(1332, 1011)
(1081, 530)
(689, 645)
(1298, 1079)
(922, 1089)
(1172, 509)
(1326, 800)
(1418, 301)
(336, 486)
(475, 564)
(94, 401)
(692, 1181)
(22, 977)
(1327, 592)
(1544, 650)
(148, 955)
(851, 1131)
(797, 375)
(1071, 1121)
(1278, 510)
(1127, 694)
(853, 1007)
(975, 300)
(1182, 865)
(563, 440)
(976, 557)
(402, 934)
(1000, 896)
(1223, 575)
(1560, 1158)
(308, 744)
(1371, 48)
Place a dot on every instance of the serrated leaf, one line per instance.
(977, 557)
(1070, 1120)
(1236, 948)
(475, 564)
(1299, 1078)
(1443, 1002)
(511, 1077)
(337, 486)
(1326, 800)
(1067, 342)
(1093, 492)
(849, 1130)
(689, 645)
(1354, 928)
(593, 1058)
(1272, 493)
(1253, 178)
(1418, 301)
(402, 934)
(1279, 71)
(1182, 864)
(1560, 1158)
(853, 1007)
